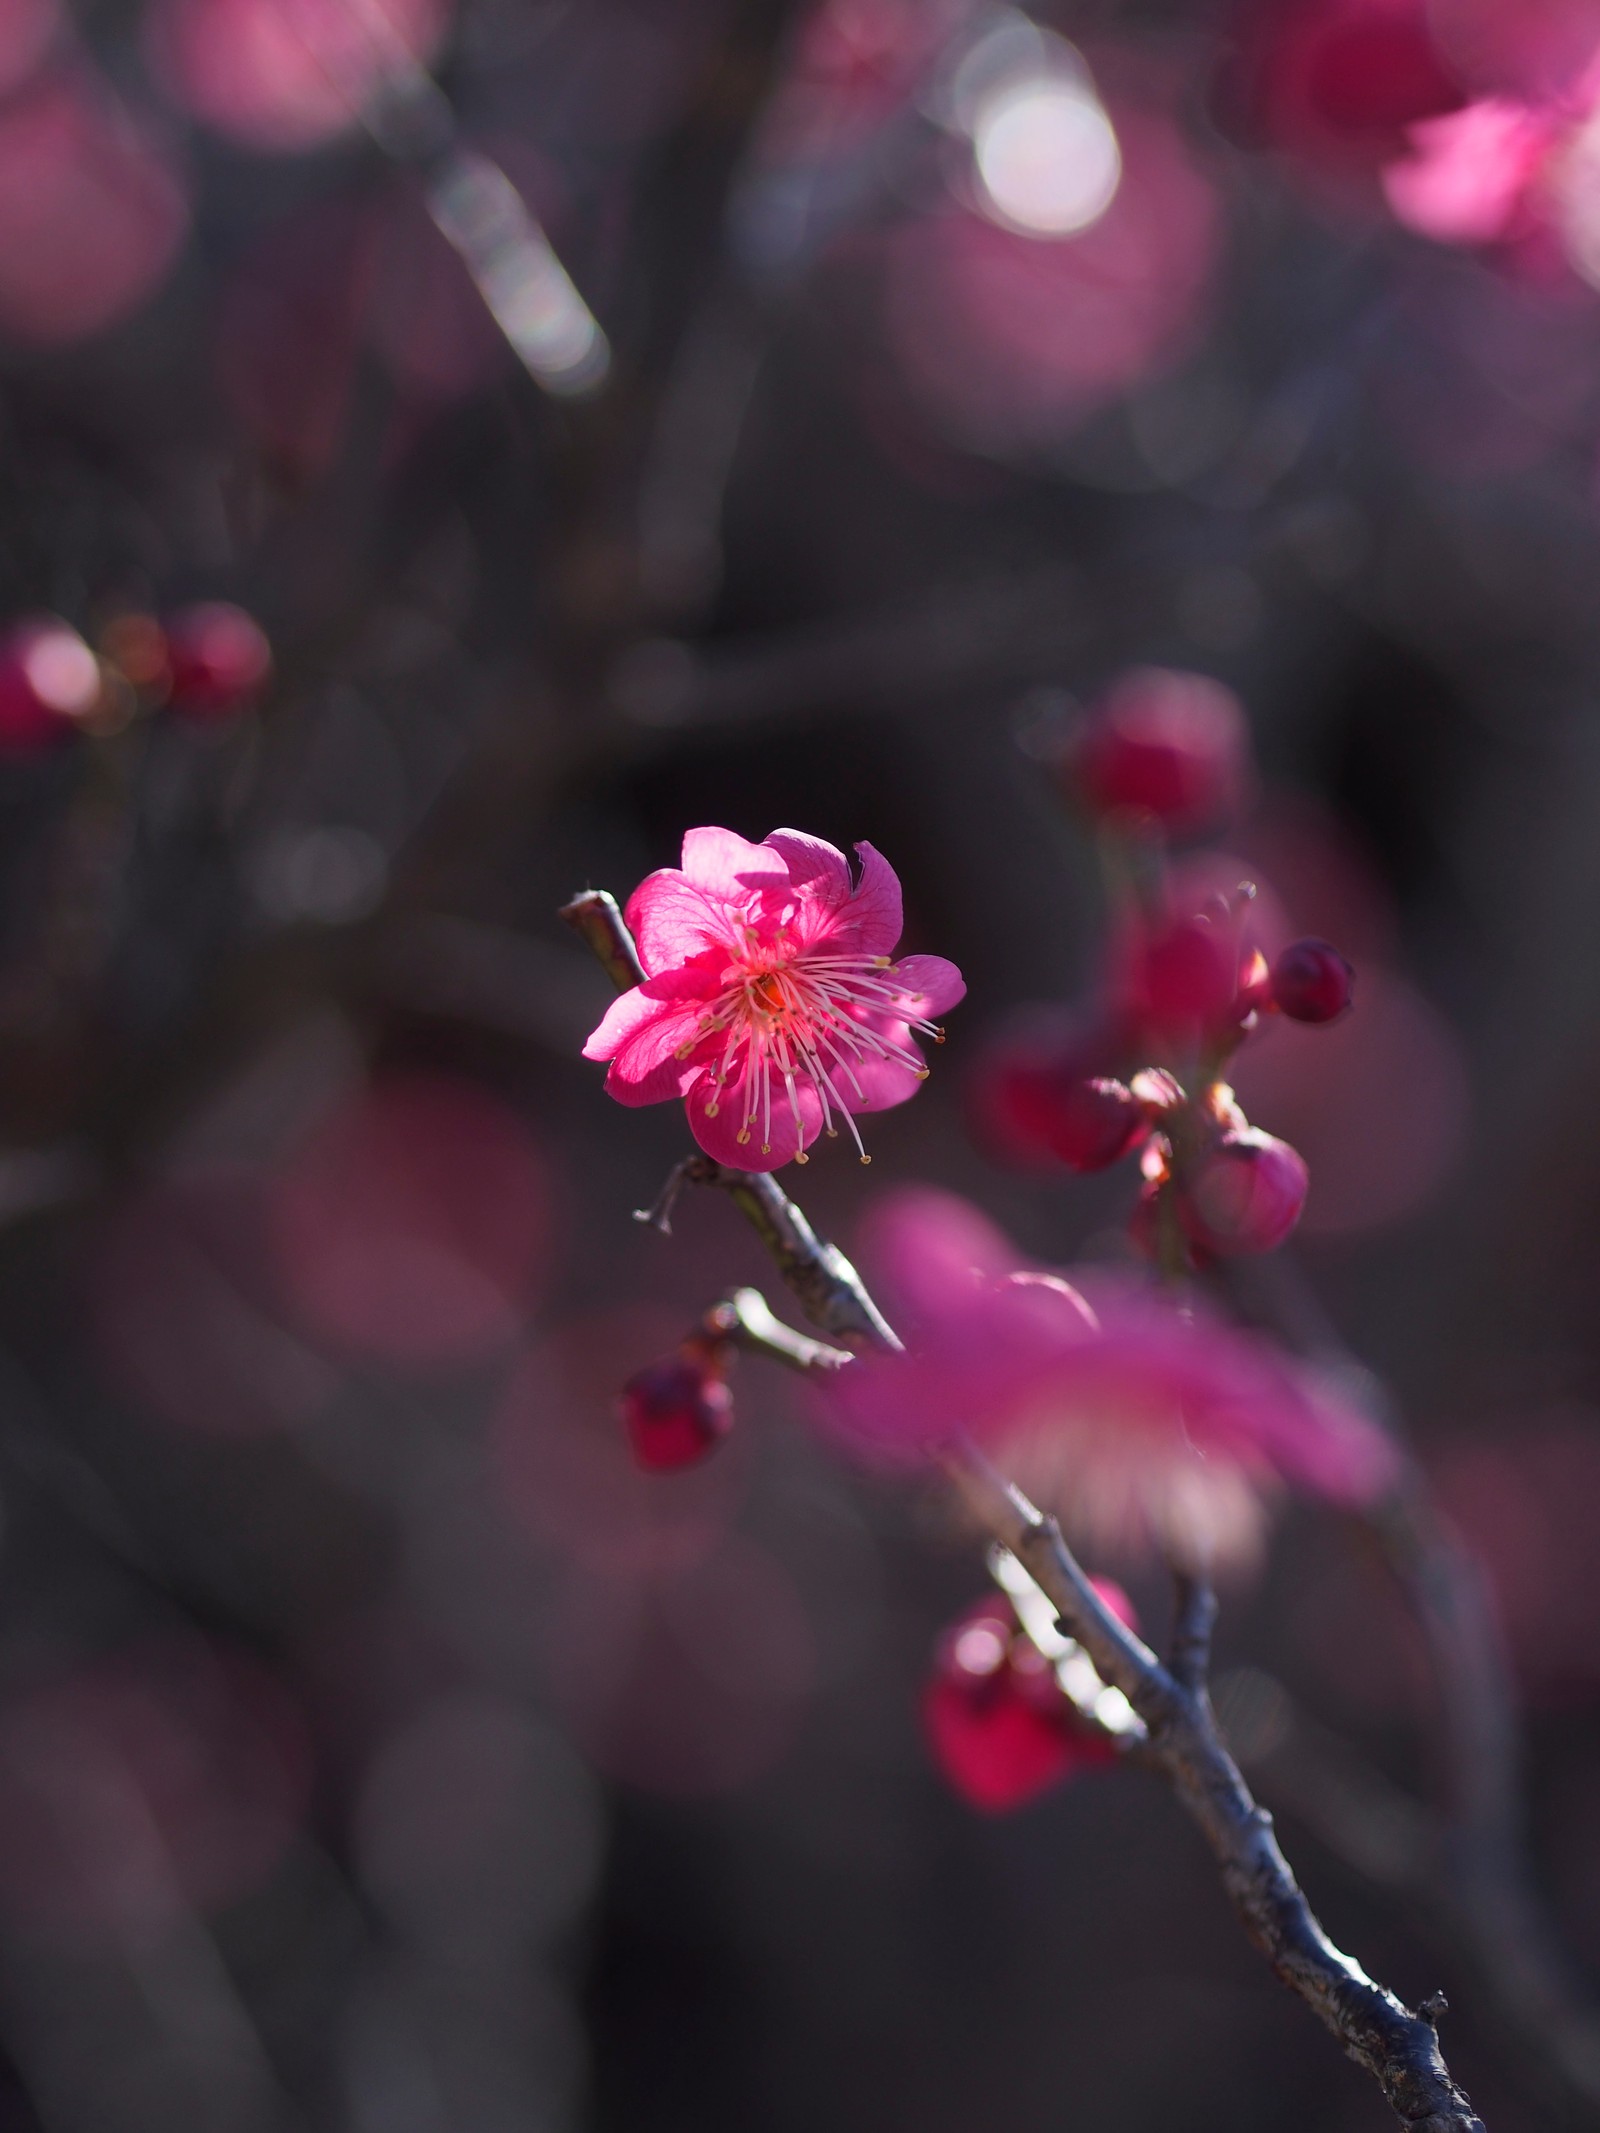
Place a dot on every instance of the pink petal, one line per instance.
(932, 1253)
(933, 986)
(721, 861)
(873, 920)
(620, 1021)
(873, 1084)
(813, 862)
(718, 1135)
(642, 1033)
(672, 920)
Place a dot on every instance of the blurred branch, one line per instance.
(1398, 2047)
(1485, 1880)
(1191, 1631)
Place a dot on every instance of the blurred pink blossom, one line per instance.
(770, 1003)
(1467, 175)
(169, 1775)
(1009, 339)
(1142, 1421)
(1335, 83)
(92, 212)
(287, 74)
(412, 1226)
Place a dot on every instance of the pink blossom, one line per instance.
(1141, 1421)
(1469, 174)
(771, 1004)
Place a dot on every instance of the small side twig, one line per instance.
(596, 918)
(746, 1321)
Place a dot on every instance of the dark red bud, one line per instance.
(49, 682)
(1037, 1104)
(1243, 1195)
(999, 1728)
(676, 1412)
(1312, 982)
(219, 660)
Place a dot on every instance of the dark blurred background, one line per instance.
(627, 414)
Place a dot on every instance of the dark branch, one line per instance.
(1191, 1630)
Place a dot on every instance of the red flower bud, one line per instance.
(1312, 982)
(676, 1412)
(1000, 1729)
(219, 659)
(1167, 744)
(49, 679)
(1097, 1122)
(1045, 1100)
(1243, 1195)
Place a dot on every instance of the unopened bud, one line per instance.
(1243, 1195)
(1170, 745)
(50, 683)
(1312, 982)
(676, 1411)
(218, 658)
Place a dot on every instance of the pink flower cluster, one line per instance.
(771, 1002)
(1142, 1421)
(1479, 120)
(1161, 755)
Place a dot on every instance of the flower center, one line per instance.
(813, 1018)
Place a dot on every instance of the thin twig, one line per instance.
(747, 1321)
(1398, 2047)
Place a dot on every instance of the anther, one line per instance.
(937, 1034)
(766, 1147)
(800, 1156)
(743, 1136)
(865, 1157)
(711, 1110)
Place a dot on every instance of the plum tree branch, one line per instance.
(1397, 2046)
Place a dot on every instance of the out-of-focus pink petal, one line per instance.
(1468, 172)
(1147, 1424)
(930, 1252)
(286, 75)
(673, 919)
(933, 986)
(92, 212)
(722, 861)
(718, 1131)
